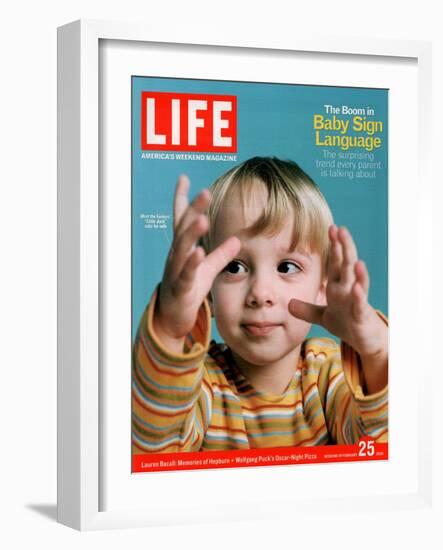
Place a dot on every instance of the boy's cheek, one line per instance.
(218, 304)
(224, 296)
(298, 331)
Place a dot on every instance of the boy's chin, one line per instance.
(266, 351)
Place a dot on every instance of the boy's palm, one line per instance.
(189, 272)
(347, 315)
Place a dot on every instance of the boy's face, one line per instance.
(250, 297)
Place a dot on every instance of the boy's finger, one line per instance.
(349, 252)
(187, 275)
(359, 301)
(335, 255)
(362, 275)
(219, 258)
(183, 245)
(198, 206)
(181, 198)
(311, 313)
(348, 246)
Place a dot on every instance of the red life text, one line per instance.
(188, 122)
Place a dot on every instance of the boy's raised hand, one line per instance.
(348, 315)
(189, 272)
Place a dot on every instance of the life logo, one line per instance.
(188, 122)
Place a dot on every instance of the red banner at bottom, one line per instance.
(365, 449)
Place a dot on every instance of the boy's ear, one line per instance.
(321, 296)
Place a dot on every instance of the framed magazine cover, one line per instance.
(108, 74)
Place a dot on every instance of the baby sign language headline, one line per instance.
(348, 128)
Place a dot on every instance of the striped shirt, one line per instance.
(200, 401)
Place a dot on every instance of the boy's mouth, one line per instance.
(259, 329)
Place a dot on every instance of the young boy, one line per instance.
(272, 263)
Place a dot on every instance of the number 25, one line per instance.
(366, 448)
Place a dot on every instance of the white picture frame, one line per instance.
(80, 413)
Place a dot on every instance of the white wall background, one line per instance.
(28, 244)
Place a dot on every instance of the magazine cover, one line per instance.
(259, 274)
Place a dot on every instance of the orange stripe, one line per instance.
(382, 433)
(367, 412)
(169, 373)
(167, 415)
(309, 388)
(333, 378)
(290, 406)
(345, 408)
(224, 387)
(209, 388)
(167, 393)
(162, 449)
(227, 429)
(322, 427)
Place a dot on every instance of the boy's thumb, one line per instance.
(305, 311)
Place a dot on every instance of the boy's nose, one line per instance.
(260, 294)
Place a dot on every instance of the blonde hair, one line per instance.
(290, 191)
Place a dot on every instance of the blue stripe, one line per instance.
(375, 431)
(173, 365)
(261, 416)
(161, 443)
(162, 387)
(156, 428)
(374, 421)
(289, 432)
(197, 423)
(368, 407)
(224, 438)
(208, 405)
(292, 391)
(159, 404)
(227, 396)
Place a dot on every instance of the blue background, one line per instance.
(272, 120)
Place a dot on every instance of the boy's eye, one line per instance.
(235, 267)
(288, 267)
